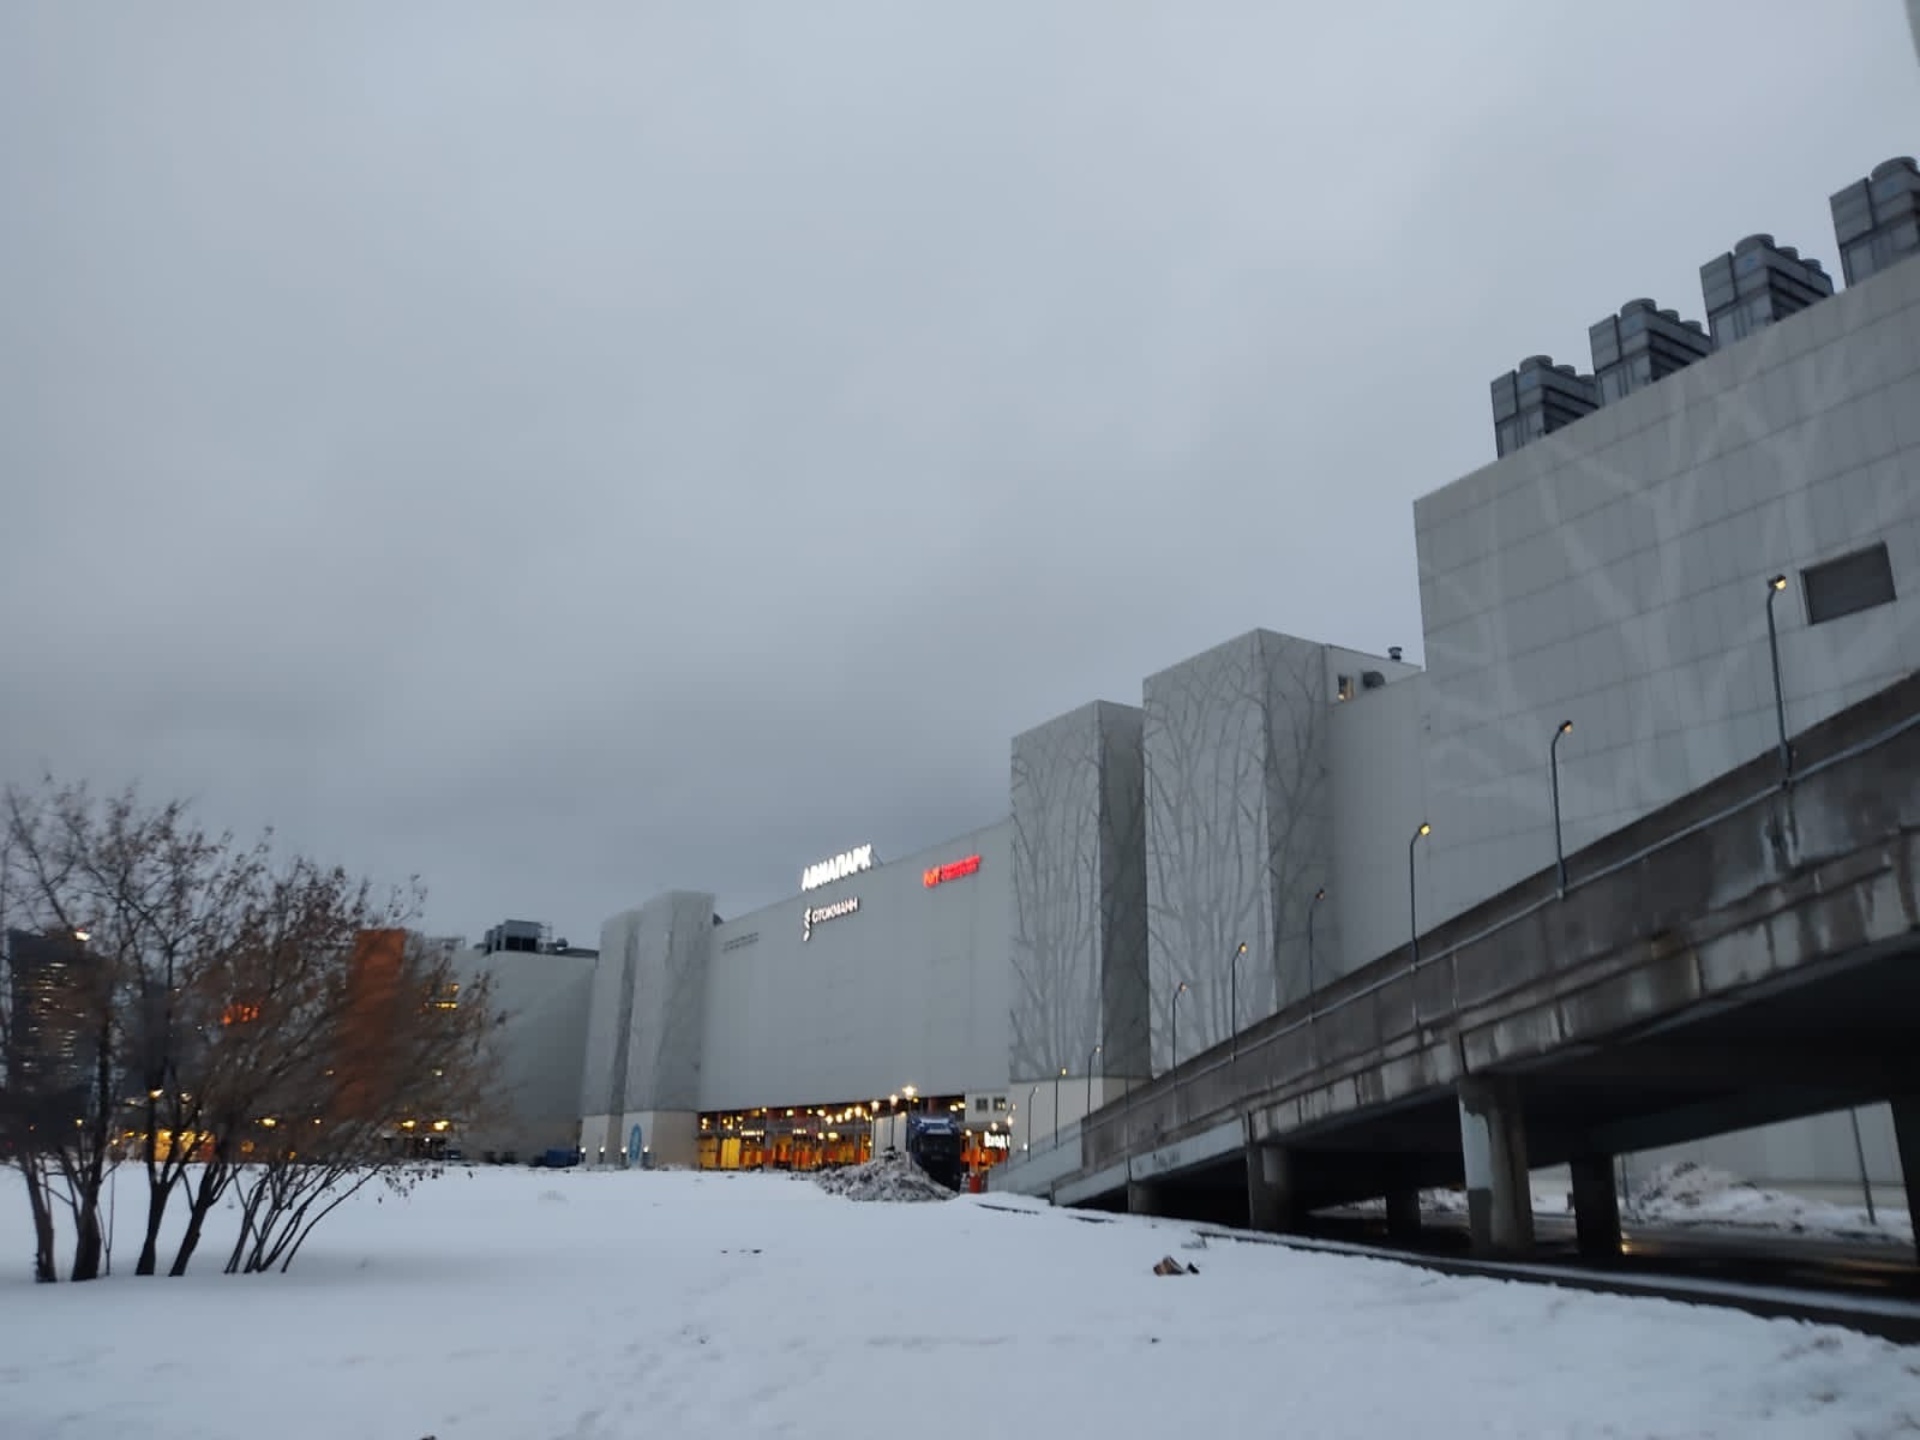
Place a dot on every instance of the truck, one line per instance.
(935, 1144)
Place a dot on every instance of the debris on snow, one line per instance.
(1171, 1266)
(890, 1178)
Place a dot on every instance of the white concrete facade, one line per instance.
(881, 975)
(1615, 574)
(909, 989)
(541, 1002)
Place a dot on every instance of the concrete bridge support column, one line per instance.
(1596, 1206)
(1403, 1212)
(1906, 1136)
(1272, 1194)
(1145, 1198)
(1493, 1141)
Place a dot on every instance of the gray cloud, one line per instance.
(570, 455)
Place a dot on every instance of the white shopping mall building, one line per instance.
(1614, 567)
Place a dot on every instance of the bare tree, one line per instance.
(284, 985)
(72, 868)
(404, 1060)
(218, 1013)
(21, 1096)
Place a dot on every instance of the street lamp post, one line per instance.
(1033, 1109)
(1860, 1157)
(1173, 1041)
(1413, 908)
(1553, 766)
(1090, 1059)
(1312, 906)
(1056, 1106)
(1774, 587)
(1173, 1026)
(1233, 997)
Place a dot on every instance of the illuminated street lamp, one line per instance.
(1774, 587)
(1413, 908)
(1553, 766)
(1233, 997)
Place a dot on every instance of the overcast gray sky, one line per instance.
(572, 451)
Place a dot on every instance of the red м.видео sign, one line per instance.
(958, 870)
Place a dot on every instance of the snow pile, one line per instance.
(891, 1178)
(1688, 1193)
(1688, 1186)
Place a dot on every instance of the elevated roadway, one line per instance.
(1742, 956)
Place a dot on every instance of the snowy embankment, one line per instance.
(508, 1305)
(1691, 1195)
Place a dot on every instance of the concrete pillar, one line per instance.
(1596, 1206)
(1906, 1135)
(1493, 1141)
(1145, 1198)
(1271, 1190)
(1403, 1213)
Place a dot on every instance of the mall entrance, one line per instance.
(820, 1137)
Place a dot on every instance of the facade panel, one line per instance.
(894, 982)
(1645, 622)
(1237, 834)
(654, 962)
(1377, 772)
(542, 1003)
(1079, 915)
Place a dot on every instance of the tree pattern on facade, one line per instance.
(1123, 891)
(603, 1074)
(653, 967)
(1078, 944)
(1640, 541)
(1237, 833)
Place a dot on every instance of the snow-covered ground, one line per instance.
(517, 1305)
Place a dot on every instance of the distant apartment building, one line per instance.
(52, 1036)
